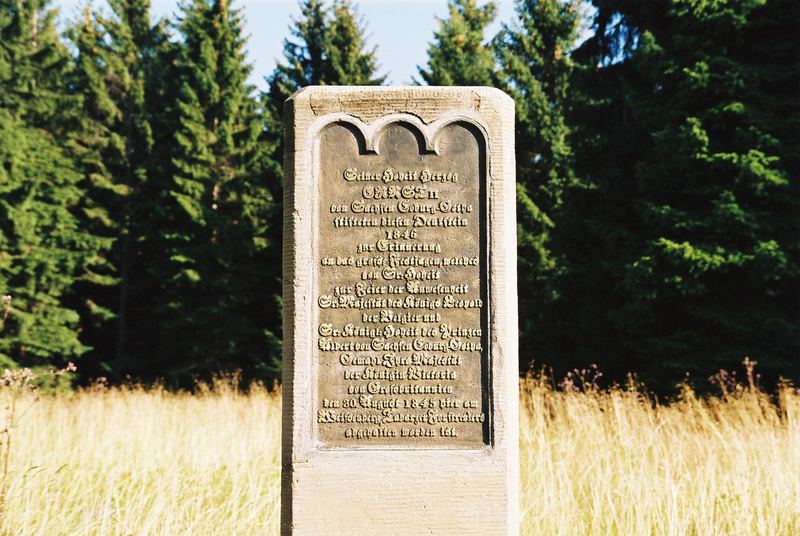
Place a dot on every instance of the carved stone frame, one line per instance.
(345, 491)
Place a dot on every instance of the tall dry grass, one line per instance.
(145, 462)
(613, 462)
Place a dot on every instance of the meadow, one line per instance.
(139, 461)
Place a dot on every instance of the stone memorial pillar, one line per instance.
(400, 393)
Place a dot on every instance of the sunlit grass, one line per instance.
(614, 463)
(142, 462)
(146, 461)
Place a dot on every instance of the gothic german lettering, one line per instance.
(401, 349)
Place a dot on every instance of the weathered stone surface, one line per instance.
(400, 323)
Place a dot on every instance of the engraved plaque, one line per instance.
(401, 343)
(400, 381)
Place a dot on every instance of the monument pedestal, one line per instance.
(400, 391)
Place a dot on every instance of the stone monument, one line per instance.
(400, 393)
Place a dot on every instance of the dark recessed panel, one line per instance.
(401, 349)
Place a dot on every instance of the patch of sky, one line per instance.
(400, 29)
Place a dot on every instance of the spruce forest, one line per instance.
(658, 182)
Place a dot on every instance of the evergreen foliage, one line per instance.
(457, 56)
(213, 209)
(689, 140)
(327, 46)
(657, 169)
(115, 56)
(44, 249)
(535, 67)
(305, 54)
(349, 62)
(34, 64)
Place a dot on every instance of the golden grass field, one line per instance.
(148, 462)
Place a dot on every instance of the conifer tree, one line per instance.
(305, 54)
(44, 251)
(349, 62)
(327, 46)
(116, 55)
(457, 56)
(687, 137)
(533, 56)
(212, 313)
(715, 272)
(35, 64)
